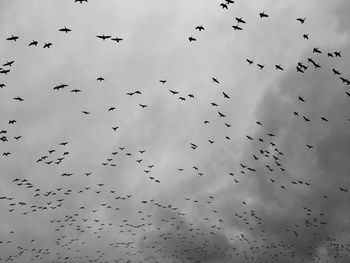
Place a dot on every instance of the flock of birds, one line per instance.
(158, 231)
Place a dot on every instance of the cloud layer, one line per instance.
(175, 182)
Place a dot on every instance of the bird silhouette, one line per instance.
(262, 15)
(65, 30)
(199, 28)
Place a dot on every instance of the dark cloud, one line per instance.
(215, 209)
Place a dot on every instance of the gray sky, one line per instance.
(150, 197)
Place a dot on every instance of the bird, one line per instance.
(117, 39)
(18, 99)
(33, 43)
(260, 66)
(306, 119)
(47, 45)
(65, 29)
(61, 86)
(100, 79)
(103, 37)
(199, 28)
(12, 38)
(279, 67)
(299, 69)
(225, 95)
(262, 15)
(224, 6)
(221, 114)
(4, 71)
(240, 20)
(8, 63)
(316, 50)
(174, 92)
(337, 53)
(75, 90)
(336, 72)
(191, 38)
(236, 27)
(301, 20)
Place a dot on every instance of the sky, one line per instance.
(251, 167)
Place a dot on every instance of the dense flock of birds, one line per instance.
(155, 225)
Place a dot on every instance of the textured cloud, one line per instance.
(233, 199)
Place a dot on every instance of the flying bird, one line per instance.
(237, 27)
(62, 86)
(224, 6)
(18, 99)
(225, 95)
(103, 37)
(262, 15)
(117, 39)
(301, 20)
(337, 53)
(279, 67)
(199, 28)
(65, 29)
(240, 20)
(12, 38)
(221, 114)
(249, 61)
(47, 45)
(316, 50)
(8, 63)
(260, 66)
(33, 43)
(75, 90)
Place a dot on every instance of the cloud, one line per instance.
(200, 214)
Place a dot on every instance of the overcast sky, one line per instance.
(251, 168)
